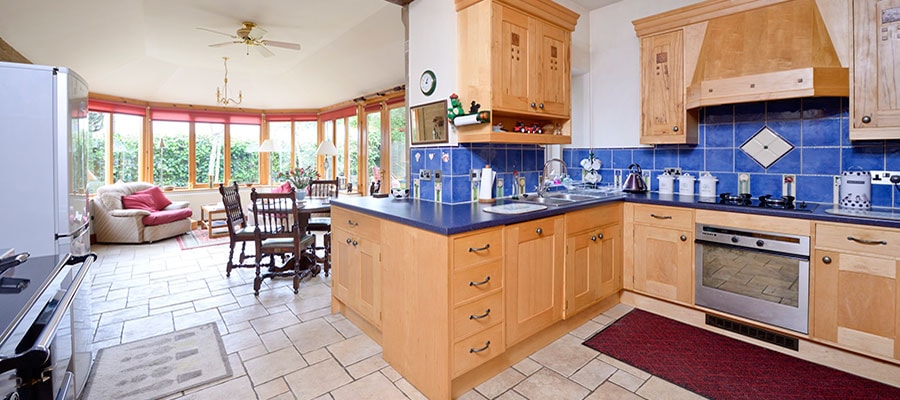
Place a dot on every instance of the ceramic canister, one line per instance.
(666, 183)
(707, 185)
(856, 190)
(686, 184)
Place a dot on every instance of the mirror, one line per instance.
(429, 123)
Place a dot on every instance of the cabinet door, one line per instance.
(345, 268)
(663, 262)
(856, 301)
(876, 70)
(511, 73)
(534, 276)
(368, 301)
(593, 260)
(662, 89)
(554, 78)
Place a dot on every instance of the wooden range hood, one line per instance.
(738, 51)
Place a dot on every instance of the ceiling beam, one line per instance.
(8, 53)
(399, 2)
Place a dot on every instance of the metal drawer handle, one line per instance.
(486, 313)
(539, 231)
(864, 241)
(473, 249)
(355, 243)
(826, 260)
(661, 216)
(486, 345)
(485, 281)
(594, 238)
(683, 238)
(351, 223)
(348, 240)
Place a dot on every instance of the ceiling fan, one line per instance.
(251, 35)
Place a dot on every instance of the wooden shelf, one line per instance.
(513, 137)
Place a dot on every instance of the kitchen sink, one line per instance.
(547, 201)
(571, 196)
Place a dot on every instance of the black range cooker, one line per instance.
(767, 201)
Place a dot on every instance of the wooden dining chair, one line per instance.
(322, 223)
(280, 230)
(238, 230)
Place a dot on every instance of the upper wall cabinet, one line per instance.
(875, 107)
(514, 60)
(663, 118)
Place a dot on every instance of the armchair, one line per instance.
(113, 223)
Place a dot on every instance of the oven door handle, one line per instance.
(43, 342)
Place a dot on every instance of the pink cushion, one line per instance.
(159, 199)
(166, 216)
(284, 188)
(139, 201)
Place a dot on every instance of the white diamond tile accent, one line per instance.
(766, 146)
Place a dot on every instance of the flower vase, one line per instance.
(301, 194)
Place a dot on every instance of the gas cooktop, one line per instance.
(767, 201)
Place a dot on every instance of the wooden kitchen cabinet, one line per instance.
(663, 116)
(533, 276)
(660, 259)
(357, 268)
(875, 71)
(856, 296)
(593, 266)
(514, 60)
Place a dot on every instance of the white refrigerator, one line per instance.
(44, 143)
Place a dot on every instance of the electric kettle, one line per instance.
(634, 182)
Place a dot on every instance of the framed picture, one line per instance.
(428, 123)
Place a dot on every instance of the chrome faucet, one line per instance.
(545, 180)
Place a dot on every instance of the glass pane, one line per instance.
(170, 153)
(340, 142)
(305, 134)
(280, 159)
(353, 152)
(399, 152)
(98, 124)
(127, 130)
(373, 135)
(244, 143)
(210, 152)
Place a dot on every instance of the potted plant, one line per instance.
(300, 179)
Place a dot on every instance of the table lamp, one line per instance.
(327, 149)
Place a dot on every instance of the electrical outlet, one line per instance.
(437, 175)
(883, 177)
(672, 171)
(836, 190)
(475, 174)
(424, 175)
(789, 185)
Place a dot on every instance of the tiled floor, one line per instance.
(286, 346)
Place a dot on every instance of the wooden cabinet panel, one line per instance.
(513, 72)
(477, 315)
(369, 294)
(476, 281)
(662, 252)
(593, 266)
(554, 78)
(534, 276)
(356, 260)
(477, 349)
(355, 223)
(663, 116)
(664, 217)
(875, 72)
(483, 246)
(344, 267)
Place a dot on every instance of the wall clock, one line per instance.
(428, 82)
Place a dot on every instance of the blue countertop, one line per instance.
(450, 219)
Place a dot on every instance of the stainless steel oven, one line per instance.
(762, 276)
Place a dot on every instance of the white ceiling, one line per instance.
(151, 49)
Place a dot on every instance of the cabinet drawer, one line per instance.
(477, 349)
(583, 220)
(355, 223)
(472, 282)
(478, 315)
(670, 217)
(863, 239)
(475, 248)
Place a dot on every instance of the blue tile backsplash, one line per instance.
(816, 127)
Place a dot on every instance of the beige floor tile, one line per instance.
(409, 390)
(527, 366)
(237, 367)
(618, 310)
(196, 318)
(106, 332)
(626, 380)
(271, 389)
(307, 304)
(316, 356)
(312, 335)
(244, 314)
(593, 374)
(511, 395)
(239, 388)
(275, 340)
(366, 366)
(141, 328)
(273, 322)
(372, 387)
(240, 340)
(471, 395)
(318, 379)
(355, 349)
(284, 396)
(325, 396)
(282, 296)
(603, 320)
(643, 375)
(178, 298)
(273, 365)
(346, 328)
(565, 356)
(309, 316)
(500, 383)
(586, 330)
(659, 389)
(547, 384)
(122, 315)
(611, 391)
(391, 373)
(253, 352)
(214, 302)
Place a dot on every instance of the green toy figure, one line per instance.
(456, 108)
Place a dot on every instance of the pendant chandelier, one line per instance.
(222, 94)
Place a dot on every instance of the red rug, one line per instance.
(718, 367)
(199, 238)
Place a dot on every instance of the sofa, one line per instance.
(137, 212)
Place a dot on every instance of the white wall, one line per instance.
(432, 46)
(615, 107)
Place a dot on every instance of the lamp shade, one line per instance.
(326, 148)
(266, 146)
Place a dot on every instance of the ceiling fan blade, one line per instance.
(221, 33)
(223, 44)
(256, 33)
(283, 45)
(264, 51)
